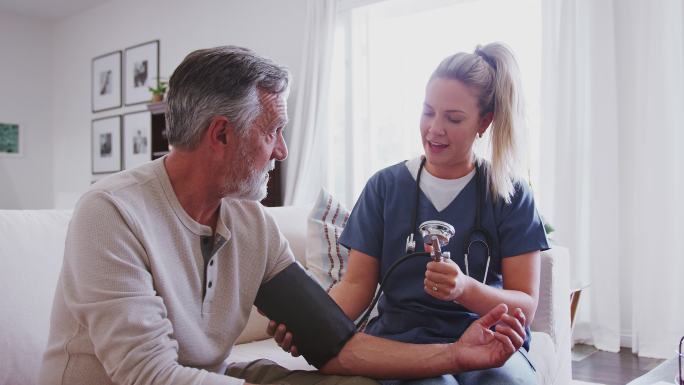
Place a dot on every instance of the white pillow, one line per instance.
(291, 221)
(326, 259)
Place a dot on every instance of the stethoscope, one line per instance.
(438, 234)
(470, 238)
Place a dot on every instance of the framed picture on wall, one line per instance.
(141, 72)
(106, 145)
(11, 140)
(106, 82)
(137, 139)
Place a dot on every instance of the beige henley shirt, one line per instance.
(133, 305)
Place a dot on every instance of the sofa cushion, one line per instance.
(326, 259)
(31, 253)
(270, 350)
(292, 222)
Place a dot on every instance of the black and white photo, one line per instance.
(137, 136)
(106, 145)
(141, 71)
(106, 82)
(140, 74)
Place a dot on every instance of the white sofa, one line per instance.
(31, 247)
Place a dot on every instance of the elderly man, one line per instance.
(163, 262)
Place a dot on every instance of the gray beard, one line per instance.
(255, 186)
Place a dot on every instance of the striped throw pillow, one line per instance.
(326, 259)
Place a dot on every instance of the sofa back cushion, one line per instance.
(31, 250)
(291, 221)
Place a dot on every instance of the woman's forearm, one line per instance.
(446, 281)
(352, 298)
(355, 291)
(480, 298)
(520, 287)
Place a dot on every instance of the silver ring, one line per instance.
(434, 288)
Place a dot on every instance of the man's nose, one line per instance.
(280, 150)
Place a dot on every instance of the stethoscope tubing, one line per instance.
(362, 321)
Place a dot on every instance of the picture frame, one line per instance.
(141, 71)
(106, 145)
(106, 82)
(11, 140)
(137, 139)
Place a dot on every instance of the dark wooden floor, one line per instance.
(610, 368)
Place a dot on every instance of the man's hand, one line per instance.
(481, 348)
(282, 337)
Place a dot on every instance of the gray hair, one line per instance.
(219, 81)
(493, 70)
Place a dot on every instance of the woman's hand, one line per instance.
(445, 280)
(282, 337)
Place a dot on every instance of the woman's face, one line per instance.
(448, 127)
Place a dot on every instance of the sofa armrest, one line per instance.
(553, 311)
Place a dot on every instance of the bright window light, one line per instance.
(383, 56)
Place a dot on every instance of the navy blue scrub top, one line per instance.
(382, 219)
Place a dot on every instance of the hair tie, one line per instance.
(485, 57)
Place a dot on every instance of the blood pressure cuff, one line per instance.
(319, 327)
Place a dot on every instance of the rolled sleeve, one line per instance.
(520, 227)
(365, 227)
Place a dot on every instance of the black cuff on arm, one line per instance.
(319, 327)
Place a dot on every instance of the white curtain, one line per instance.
(612, 172)
(303, 170)
(652, 116)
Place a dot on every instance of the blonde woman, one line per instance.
(433, 302)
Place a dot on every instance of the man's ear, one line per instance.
(218, 131)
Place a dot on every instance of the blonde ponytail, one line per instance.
(494, 71)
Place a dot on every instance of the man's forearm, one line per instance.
(375, 357)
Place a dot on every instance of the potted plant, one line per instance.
(159, 91)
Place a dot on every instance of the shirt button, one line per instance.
(209, 284)
(211, 263)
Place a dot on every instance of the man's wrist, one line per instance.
(455, 358)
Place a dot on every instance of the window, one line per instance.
(383, 56)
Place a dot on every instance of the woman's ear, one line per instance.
(485, 121)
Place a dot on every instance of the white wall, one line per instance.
(273, 28)
(25, 98)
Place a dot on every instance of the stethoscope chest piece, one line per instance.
(437, 234)
(442, 230)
